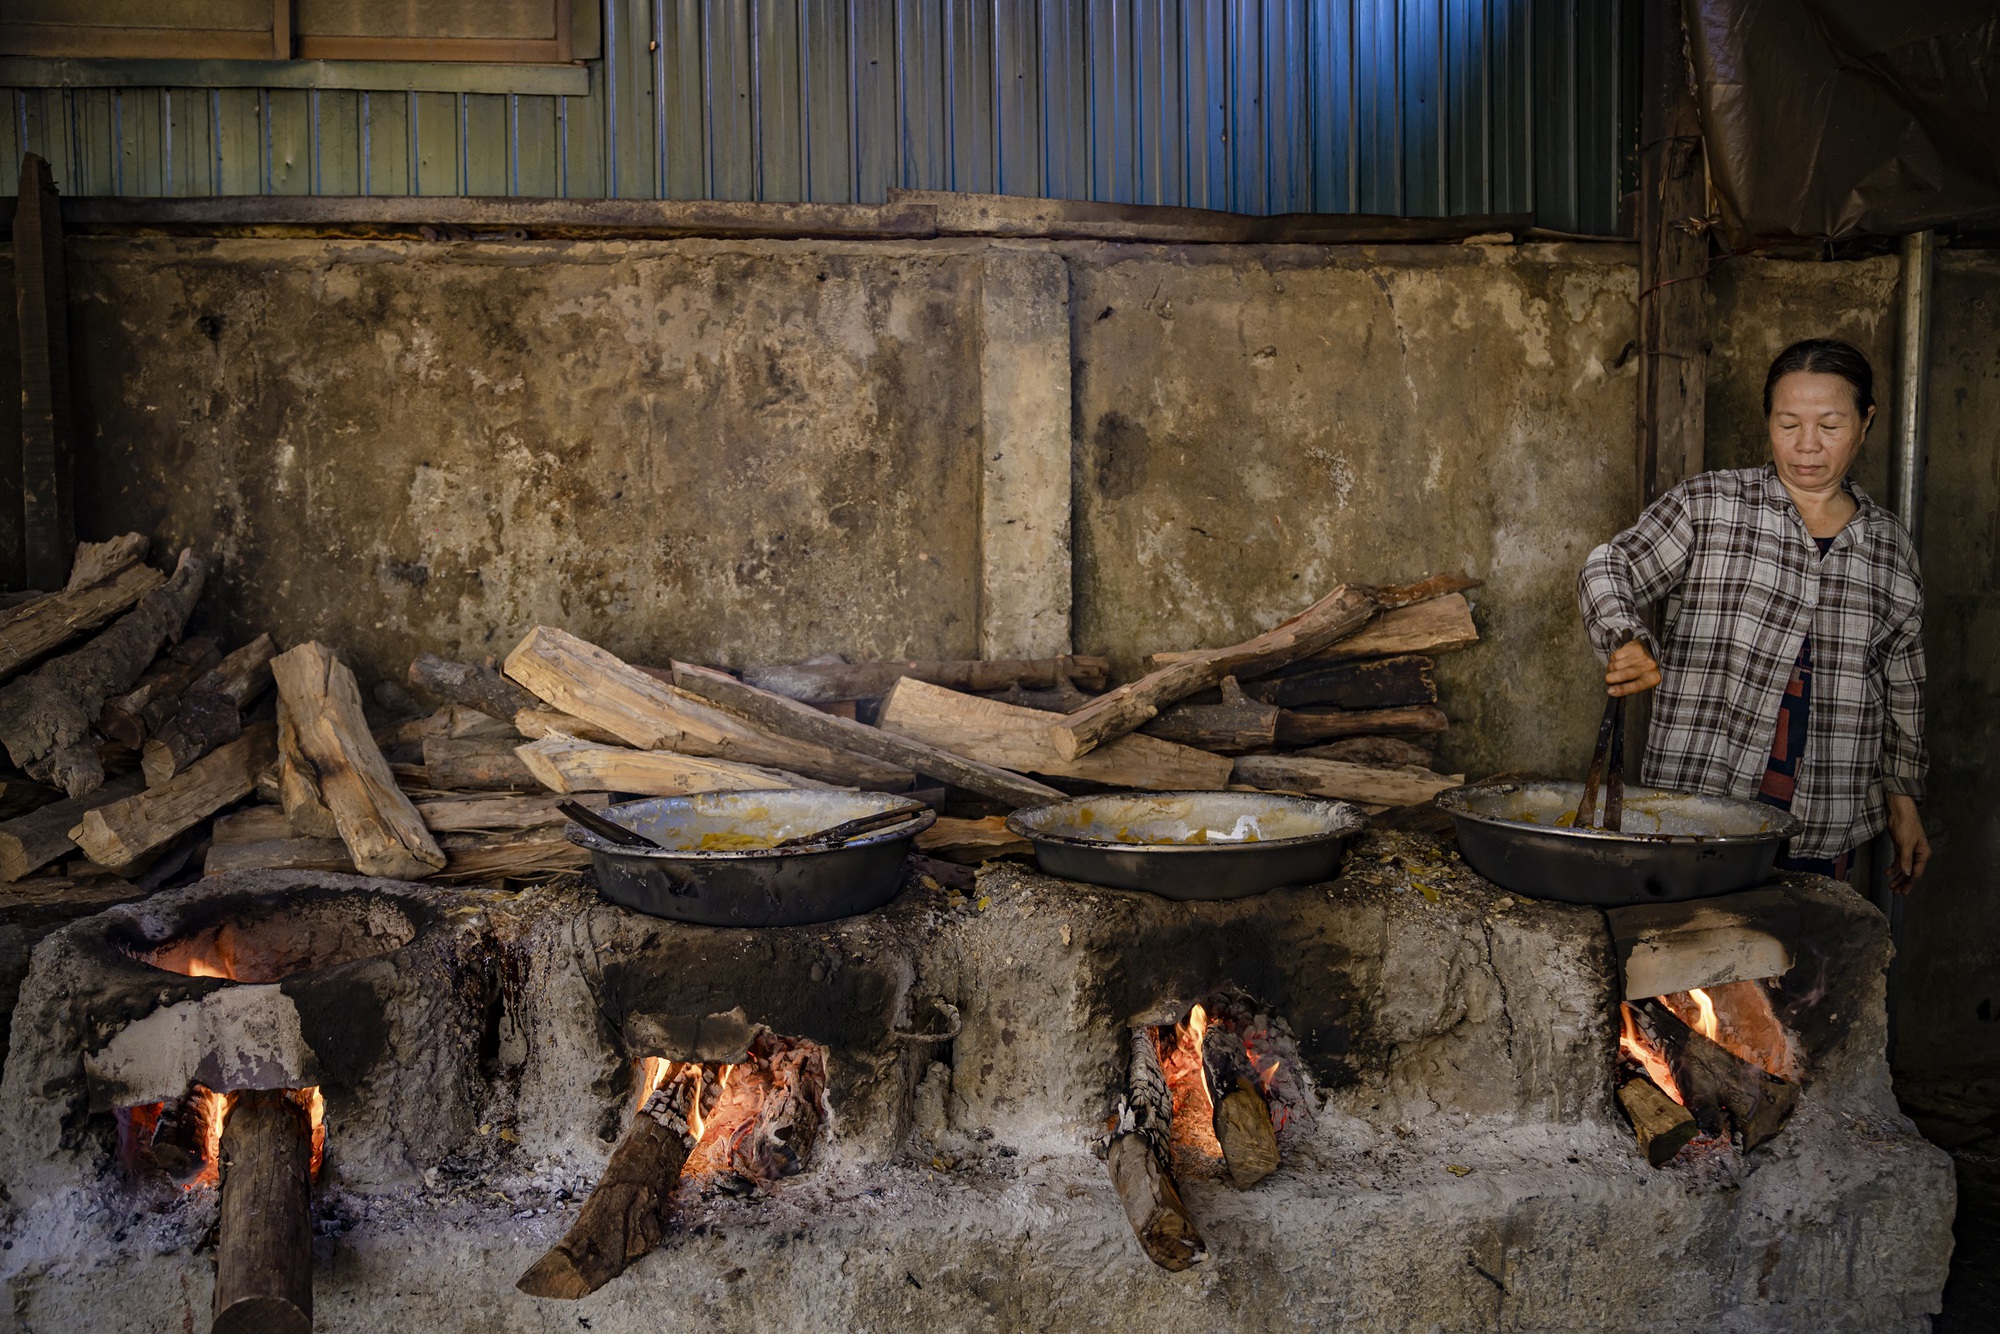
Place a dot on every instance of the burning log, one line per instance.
(375, 819)
(1308, 727)
(778, 1141)
(1663, 1126)
(107, 579)
(119, 834)
(1345, 782)
(45, 716)
(479, 688)
(626, 1214)
(1711, 1078)
(1111, 715)
(211, 712)
(263, 1252)
(826, 682)
(151, 704)
(1139, 1163)
(1242, 1118)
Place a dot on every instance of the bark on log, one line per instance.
(475, 687)
(1017, 739)
(1391, 596)
(1437, 626)
(1711, 1077)
(1343, 782)
(30, 842)
(477, 764)
(1312, 727)
(1242, 1119)
(562, 764)
(1138, 1162)
(626, 1213)
(822, 683)
(1663, 1126)
(108, 579)
(1380, 752)
(375, 819)
(791, 718)
(1110, 715)
(150, 705)
(263, 1249)
(120, 833)
(1382, 683)
(582, 679)
(298, 785)
(211, 712)
(45, 716)
(1233, 726)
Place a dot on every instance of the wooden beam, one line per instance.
(41, 304)
(1673, 258)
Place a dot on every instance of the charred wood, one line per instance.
(1139, 1164)
(1712, 1078)
(474, 687)
(1236, 724)
(1311, 727)
(1242, 1117)
(151, 704)
(1663, 1126)
(1381, 683)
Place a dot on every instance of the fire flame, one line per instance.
(1634, 1047)
(1705, 1024)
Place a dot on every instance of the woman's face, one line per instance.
(1815, 429)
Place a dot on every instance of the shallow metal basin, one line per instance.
(1675, 845)
(721, 870)
(1191, 845)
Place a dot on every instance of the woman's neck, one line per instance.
(1825, 512)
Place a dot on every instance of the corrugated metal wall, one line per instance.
(1418, 107)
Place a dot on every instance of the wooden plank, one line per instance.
(1435, 626)
(1343, 782)
(41, 306)
(376, 821)
(822, 683)
(808, 723)
(1334, 616)
(1011, 737)
(48, 623)
(563, 764)
(30, 842)
(118, 834)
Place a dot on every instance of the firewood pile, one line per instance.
(140, 754)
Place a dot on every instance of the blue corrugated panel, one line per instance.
(1417, 107)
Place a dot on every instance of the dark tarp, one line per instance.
(1830, 118)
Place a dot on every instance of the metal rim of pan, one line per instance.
(1351, 820)
(921, 818)
(1784, 824)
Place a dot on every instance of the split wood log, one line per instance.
(825, 682)
(1140, 1166)
(538, 723)
(45, 716)
(453, 720)
(210, 712)
(298, 785)
(626, 1213)
(477, 764)
(1311, 727)
(1711, 1077)
(120, 833)
(1663, 1126)
(1378, 752)
(457, 815)
(971, 842)
(150, 705)
(475, 687)
(375, 819)
(263, 1247)
(30, 842)
(513, 852)
(251, 824)
(279, 854)
(108, 579)
(791, 718)
(1233, 726)
(1341, 781)
(562, 764)
(1437, 626)
(582, 679)
(1242, 1118)
(1339, 613)
(1391, 596)
(1379, 683)
(1020, 740)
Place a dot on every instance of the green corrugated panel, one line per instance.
(336, 142)
(872, 73)
(290, 144)
(681, 114)
(535, 149)
(824, 97)
(486, 140)
(777, 69)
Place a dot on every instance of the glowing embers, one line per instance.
(742, 1125)
(1709, 1064)
(183, 1138)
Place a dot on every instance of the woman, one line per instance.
(1791, 668)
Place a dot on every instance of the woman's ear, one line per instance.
(1867, 422)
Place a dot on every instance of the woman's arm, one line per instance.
(1905, 763)
(1634, 570)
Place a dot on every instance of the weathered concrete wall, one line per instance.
(1254, 427)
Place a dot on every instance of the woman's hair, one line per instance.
(1825, 356)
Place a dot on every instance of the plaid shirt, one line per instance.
(1751, 586)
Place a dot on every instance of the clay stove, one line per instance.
(1457, 1158)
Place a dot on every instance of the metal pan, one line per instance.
(1191, 845)
(718, 867)
(1673, 846)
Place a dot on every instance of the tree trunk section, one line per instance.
(263, 1252)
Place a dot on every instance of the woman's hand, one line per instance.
(1631, 670)
(1913, 850)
